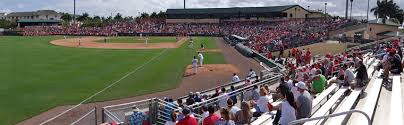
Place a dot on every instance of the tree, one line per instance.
(144, 15)
(97, 18)
(67, 17)
(7, 24)
(161, 14)
(83, 17)
(153, 15)
(118, 16)
(385, 9)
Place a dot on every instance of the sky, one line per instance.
(135, 7)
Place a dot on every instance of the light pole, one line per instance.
(74, 12)
(367, 12)
(308, 8)
(351, 10)
(325, 10)
(346, 9)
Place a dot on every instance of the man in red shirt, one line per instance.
(269, 55)
(212, 118)
(188, 120)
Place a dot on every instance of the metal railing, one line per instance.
(275, 78)
(87, 119)
(333, 115)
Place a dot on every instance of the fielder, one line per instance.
(200, 55)
(146, 40)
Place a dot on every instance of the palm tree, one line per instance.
(385, 9)
(67, 17)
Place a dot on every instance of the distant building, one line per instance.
(35, 18)
(2, 16)
(381, 28)
(215, 15)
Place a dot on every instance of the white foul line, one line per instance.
(109, 86)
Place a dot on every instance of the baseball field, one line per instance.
(37, 75)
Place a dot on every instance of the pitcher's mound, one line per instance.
(223, 69)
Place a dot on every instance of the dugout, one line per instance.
(234, 39)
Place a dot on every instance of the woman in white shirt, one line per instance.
(288, 108)
(262, 102)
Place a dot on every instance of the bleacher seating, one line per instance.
(396, 109)
(327, 106)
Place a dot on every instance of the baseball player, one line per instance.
(200, 55)
(195, 65)
(147, 38)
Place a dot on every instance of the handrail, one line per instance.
(332, 115)
(116, 119)
(81, 118)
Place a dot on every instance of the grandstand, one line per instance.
(334, 106)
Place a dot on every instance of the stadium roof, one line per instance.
(271, 9)
(33, 13)
(38, 21)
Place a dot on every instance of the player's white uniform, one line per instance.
(200, 59)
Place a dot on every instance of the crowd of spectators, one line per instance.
(296, 90)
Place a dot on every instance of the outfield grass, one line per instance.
(37, 76)
(135, 39)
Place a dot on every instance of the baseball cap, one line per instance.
(301, 85)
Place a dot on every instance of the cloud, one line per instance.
(134, 7)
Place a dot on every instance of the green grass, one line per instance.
(135, 39)
(37, 76)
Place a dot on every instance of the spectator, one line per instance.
(223, 97)
(288, 108)
(138, 117)
(395, 61)
(225, 120)
(319, 82)
(233, 97)
(348, 75)
(190, 99)
(255, 93)
(189, 119)
(173, 119)
(232, 108)
(262, 103)
(212, 118)
(180, 103)
(205, 113)
(244, 115)
(361, 75)
(252, 74)
(197, 97)
(304, 102)
(235, 78)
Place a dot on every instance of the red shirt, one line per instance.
(211, 119)
(188, 121)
